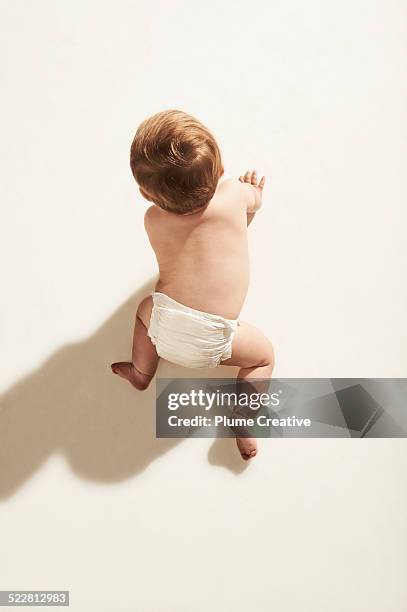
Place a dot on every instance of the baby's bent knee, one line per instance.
(143, 313)
(268, 358)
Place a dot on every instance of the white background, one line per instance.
(311, 94)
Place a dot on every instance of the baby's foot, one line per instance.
(126, 370)
(247, 447)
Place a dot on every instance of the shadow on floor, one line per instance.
(73, 404)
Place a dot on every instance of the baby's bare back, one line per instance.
(203, 257)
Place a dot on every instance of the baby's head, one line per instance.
(176, 161)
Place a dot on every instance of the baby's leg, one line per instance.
(143, 366)
(254, 354)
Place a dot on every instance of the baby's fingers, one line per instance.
(251, 177)
(245, 178)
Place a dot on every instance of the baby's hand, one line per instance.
(251, 178)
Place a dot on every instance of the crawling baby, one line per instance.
(197, 227)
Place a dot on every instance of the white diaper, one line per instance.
(189, 337)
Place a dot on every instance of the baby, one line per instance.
(197, 227)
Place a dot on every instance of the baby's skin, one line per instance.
(204, 264)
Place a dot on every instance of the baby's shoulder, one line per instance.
(230, 197)
(153, 221)
(233, 190)
(151, 214)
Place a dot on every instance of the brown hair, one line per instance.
(176, 161)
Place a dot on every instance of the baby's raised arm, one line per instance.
(254, 193)
(254, 190)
